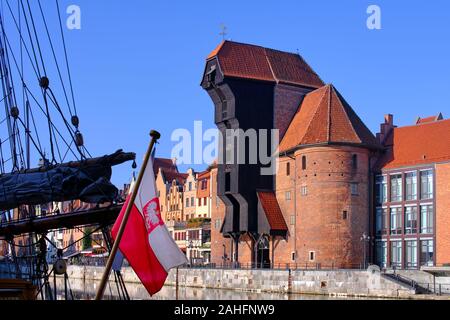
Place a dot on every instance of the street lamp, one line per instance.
(224, 257)
(366, 240)
(190, 246)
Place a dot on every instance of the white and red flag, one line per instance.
(146, 243)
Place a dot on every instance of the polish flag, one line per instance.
(146, 243)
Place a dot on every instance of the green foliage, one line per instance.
(87, 241)
(197, 222)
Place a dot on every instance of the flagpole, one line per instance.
(155, 137)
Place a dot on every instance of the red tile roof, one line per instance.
(163, 163)
(429, 119)
(272, 209)
(325, 117)
(254, 62)
(416, 145)
(170, 175)
(202, 175)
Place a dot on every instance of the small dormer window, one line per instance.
(355, 162)
(211, 74)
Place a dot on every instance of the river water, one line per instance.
(85, 290)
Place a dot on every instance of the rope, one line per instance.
(19, 29)
(65, 54)
(35, 35)
(54, 57)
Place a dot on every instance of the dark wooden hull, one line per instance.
(13, 289)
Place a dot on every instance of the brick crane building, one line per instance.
(320, 207)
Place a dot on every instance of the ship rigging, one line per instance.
(40, 124)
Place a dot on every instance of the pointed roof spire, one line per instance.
(324, 117)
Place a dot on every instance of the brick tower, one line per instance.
(332, 153)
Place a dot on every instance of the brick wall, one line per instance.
(285, 192)
(217, 216)
(442, 213)
(287, 99)
(322, 227)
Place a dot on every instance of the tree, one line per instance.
(87, 241)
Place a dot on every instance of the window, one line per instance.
(292, 220)
(396, 220)
(411, 186)
(190, 186)
(354, 188)
(204, 201)
(396, 188)
(304, 190)
(293, 256)
(381, 249)
(227, 181)
(426, 219)
(288, 195)
(381, 221)
(344, 215)
(288, 169)
(192, 201)
(204, 184)
(304, 163)
(411, 254)
(355, 162)
(396, 254)
(187, 202)
(312, 256)
(426, 184)
(194, 235)
(218, 224)
(199, 202)
(410, 220)
(426, 253)
(381, 189)
(224, 109)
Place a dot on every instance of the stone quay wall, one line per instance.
(340, 283)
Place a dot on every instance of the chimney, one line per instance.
(385, 128)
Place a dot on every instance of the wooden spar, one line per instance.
(155, 136)
(112, 160)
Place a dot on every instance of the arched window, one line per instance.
(304, 163)
(355, 161)
(288, 169)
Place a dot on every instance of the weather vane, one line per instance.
(223, 33)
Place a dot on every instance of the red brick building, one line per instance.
(320, 208)
(412, 194)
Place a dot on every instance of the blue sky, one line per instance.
(137, 65)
